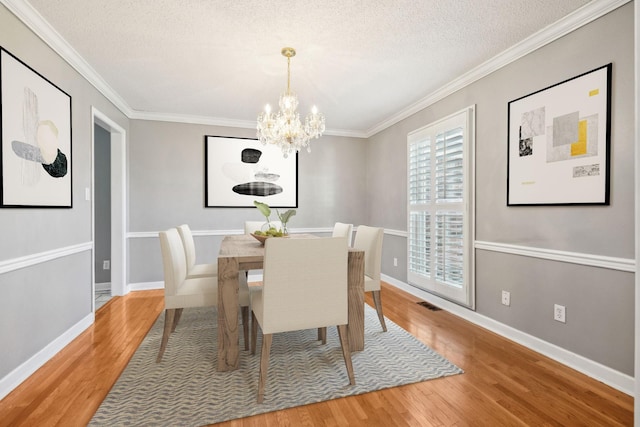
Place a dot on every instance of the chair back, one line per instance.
(188, 244)
(173, 261)
(251, 226)
(304, 284)
(343, 230)
(369, 240)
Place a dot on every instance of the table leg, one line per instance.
(228, 341)
(355, 280)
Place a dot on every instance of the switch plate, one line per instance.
(106, 264)
(506, 298)
(559, 313)
(395, 262)
(87, 194)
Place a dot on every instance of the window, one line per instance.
(439, 208)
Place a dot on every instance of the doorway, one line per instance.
(101, 215)
(108, 228)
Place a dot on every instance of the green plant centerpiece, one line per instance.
(271, 230)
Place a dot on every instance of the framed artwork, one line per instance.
(559, 143)
(241, 170)
(35, 161)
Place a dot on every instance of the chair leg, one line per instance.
(245, 326)
(254, 333)
(264, 364)
(322, 335)
(169, 315)
(176, 319)
(346, 353)
(378, 303)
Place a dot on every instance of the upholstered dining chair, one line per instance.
(304, 287)
(181, 292)
(193, 269)
(343, 230)
(205, 270)
(369, 240)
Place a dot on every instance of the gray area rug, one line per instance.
(185, 389)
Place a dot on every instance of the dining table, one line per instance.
(243, 253)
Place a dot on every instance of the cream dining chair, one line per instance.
(369, 240)
(343, 230)
(304, 287)
(205, 270)
(181, 292)
(193, 269)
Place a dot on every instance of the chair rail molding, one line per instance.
(612, 263)
(38, 258)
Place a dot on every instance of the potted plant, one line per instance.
(272, 231)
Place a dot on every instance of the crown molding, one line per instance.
(218, 121)
(36, 23)
(586, 14)
(580, 17)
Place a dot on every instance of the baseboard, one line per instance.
(24, 371)
(622, 382)
(105, 286)
(145, 286)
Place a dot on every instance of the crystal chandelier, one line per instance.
(284, 128)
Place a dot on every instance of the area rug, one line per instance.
(185, 389)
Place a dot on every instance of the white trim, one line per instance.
(145, 286)
(30, 260)
(612, 263)
(35, 362)
(101, 287)
(636, 122)
(118, 176)
(27, 14)
(611, 377)
(621, 264)
(314, 230)
(580, 17)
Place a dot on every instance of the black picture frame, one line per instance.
(241, 170)
(559, 143)
(36, 138)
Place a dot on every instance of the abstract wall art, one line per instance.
(559, 143)
(36, 138)
(241, 170)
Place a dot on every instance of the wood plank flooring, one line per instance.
(504, 384)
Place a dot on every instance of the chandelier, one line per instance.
(284, 128)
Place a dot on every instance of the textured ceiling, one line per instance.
(359, 61)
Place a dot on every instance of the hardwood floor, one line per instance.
(504, 384)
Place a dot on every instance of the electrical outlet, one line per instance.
(395, 262)
(506, 298)
(106, 264)
(559, 313)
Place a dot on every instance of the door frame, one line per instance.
(118, 203)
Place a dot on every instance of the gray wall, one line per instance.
(42, 301)
(348, 180)
(102, 203)
(166, 188)
(600, 310)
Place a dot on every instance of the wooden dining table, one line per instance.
(243, 253)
